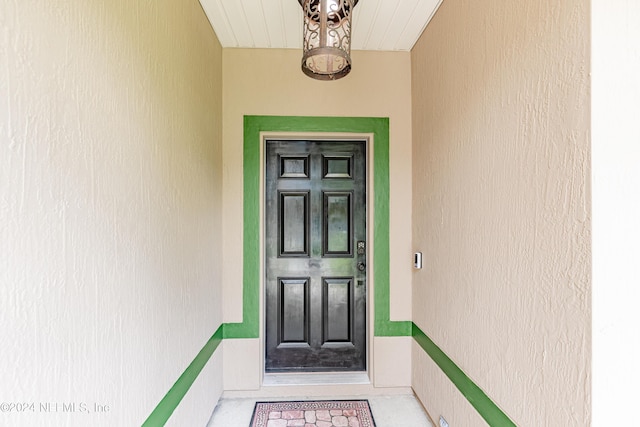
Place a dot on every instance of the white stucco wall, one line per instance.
(615, 111)
(110, 208)
(501, 208)
(270, 82)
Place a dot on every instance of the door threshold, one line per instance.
(316, 378)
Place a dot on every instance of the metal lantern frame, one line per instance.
(326, 41)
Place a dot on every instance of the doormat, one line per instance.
(316, 413)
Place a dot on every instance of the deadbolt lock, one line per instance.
(361, 248)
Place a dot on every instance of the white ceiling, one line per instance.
(377, 24)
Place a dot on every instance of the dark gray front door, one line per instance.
(315, 256)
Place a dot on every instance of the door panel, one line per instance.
(294, 223)
(294, 303)
(294, 167)
(337, 310)
(337, 166)
(315, 211)
(337, 230)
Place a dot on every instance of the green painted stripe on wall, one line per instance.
(474, 394)
(174, 396)
(253, 126)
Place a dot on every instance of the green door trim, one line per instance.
(253, 126)
(383, 326)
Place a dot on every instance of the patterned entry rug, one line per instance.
(316, 413)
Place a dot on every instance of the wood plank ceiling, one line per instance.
(377, 24)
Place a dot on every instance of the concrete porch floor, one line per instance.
(402, 410)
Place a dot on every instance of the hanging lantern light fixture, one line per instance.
(326, 40)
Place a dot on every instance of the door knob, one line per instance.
(362, 266)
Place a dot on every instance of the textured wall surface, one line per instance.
(269, 82)
(501, 206)
(110, 208)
